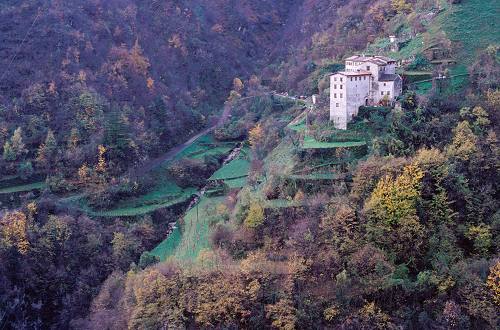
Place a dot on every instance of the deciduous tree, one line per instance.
(464, 143)
(14, 231)
(255, 216)
(47, 151)
(394, 199)
(14, 149)
(493, 281)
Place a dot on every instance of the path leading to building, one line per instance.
(172, 153)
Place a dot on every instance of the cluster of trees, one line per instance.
(53, 265)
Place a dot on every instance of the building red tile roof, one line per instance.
(354, 73)
(380, 60)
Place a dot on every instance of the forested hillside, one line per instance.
(96, 71)
(162, 165)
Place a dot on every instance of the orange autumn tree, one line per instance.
(13, 231)
(493, 282)
(150, 83)
(256, 137)
(100, 167)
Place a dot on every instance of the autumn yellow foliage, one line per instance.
(394, 199)
(493, 282)
(13, 230)
(256, 136)
(83, 174)
(464, 143)
(255, 216)
(282, 314)
(101, 162)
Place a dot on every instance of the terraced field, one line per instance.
(474, 25)
(23, 188)
(235, 172)
(186, 242)
(314, 176)
(311, 143)
(235, 169)
(165, 193)
(146, 208)
(204, 146)
(471, 26)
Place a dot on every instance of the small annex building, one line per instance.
(366, 81)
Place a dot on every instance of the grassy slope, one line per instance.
(474, 24)
(235, 169)
(141, 210)
(185, 244)
(23, 188)
(466, 26)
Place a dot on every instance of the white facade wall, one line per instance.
(374, 69)
(338, 104)
(392, 89)
(364, 66)
(385, 88)
(358, 92)
(347, 94)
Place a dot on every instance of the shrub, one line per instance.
(25, 170)
(255, 216)
(188, 172)
(147, 259)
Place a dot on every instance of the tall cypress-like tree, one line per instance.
(47, 151)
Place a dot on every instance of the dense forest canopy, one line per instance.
(162, 165)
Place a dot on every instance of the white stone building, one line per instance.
(367, 80)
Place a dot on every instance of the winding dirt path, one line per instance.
(169, 155)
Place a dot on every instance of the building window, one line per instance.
(388, 93)
(382, 93)
(385, 84)
(367, 68)
(334, 86)
(341, 86)
(334, 78)
(337, 105)
(341, 79)
(335, 95)
(341, 95)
